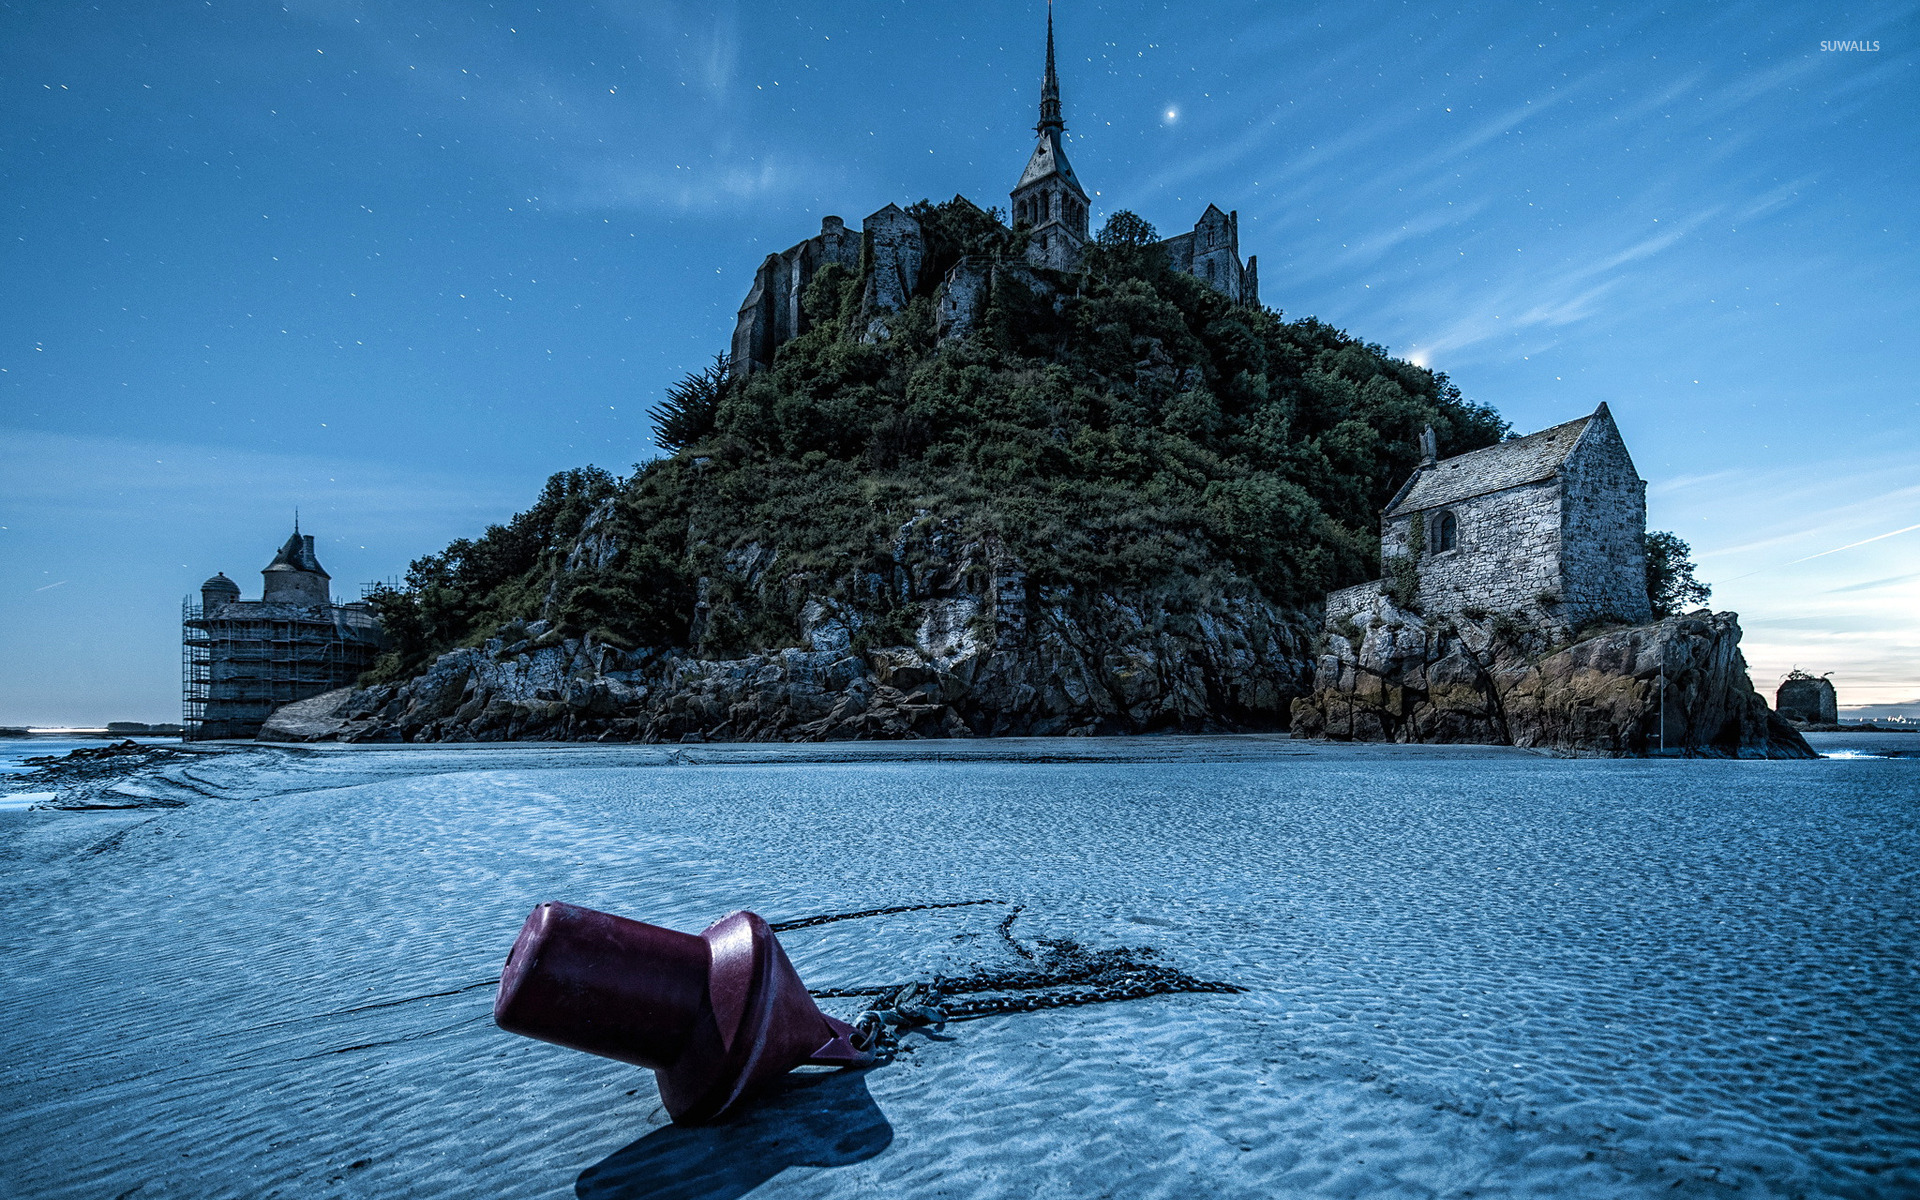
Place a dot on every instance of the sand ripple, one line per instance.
(1492, 976)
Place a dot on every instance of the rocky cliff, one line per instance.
(986, 657)
(1679, 685)
(1083, 502)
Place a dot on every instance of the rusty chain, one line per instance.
(1064, 974)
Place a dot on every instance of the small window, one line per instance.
(1446, 533)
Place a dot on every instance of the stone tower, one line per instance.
(218, 592)
(295, 576)
(241, 659)
(1809, 699)
(1048, 200)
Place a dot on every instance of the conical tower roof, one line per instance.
(297, 555)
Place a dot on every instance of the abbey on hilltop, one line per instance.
(1048, 205)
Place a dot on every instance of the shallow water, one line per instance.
(1469, 973)
(14, 751)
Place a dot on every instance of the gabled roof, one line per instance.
(1496, 468)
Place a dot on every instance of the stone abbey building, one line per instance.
(241, 659)
(1550, 528)
(1048, 203)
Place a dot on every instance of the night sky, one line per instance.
(394, 263)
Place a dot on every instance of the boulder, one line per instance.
(316, 719)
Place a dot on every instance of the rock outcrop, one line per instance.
(1678, 685)
(987, 655)
(312, 719)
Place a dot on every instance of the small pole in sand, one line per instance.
(1663, 704)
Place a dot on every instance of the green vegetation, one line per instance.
(1403, 570)
(1671, 586)
(1133, 432)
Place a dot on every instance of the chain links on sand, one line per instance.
(829, 918)
(1064, 974)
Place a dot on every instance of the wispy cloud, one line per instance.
(1802, 601)
(1874, 584)
(1819, 519)
(67, 477)
(658, 119)
(1680, 483)
(1879, 537)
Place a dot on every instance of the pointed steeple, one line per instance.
(1050, 90)
(1048, 200)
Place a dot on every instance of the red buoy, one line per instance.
(714, 1016)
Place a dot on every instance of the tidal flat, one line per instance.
(1468, 972)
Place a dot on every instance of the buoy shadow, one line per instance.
(810, 1120)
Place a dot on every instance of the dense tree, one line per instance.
(476, 584)
(1671, 585)
(686, 415)
(1121, 429)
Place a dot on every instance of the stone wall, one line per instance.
(1506, 555)
(1549, 528)
(1603, 526)
(895, 247)
(970, 286)
(1056, 248)
(1808, 699)
(771, 313)
(1211, 253)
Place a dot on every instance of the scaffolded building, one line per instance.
(241, 659)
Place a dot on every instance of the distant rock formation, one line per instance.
(1679, 685)
(1807, 699)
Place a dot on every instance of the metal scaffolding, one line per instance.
(244, 659)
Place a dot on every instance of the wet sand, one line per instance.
(1470, 972)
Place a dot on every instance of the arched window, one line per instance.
(1446, 533)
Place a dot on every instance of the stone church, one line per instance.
(1550, 528)
(1048, 202)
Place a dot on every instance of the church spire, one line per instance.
(1048, 201)
(1050, 90)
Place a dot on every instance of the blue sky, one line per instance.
(394, 263)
